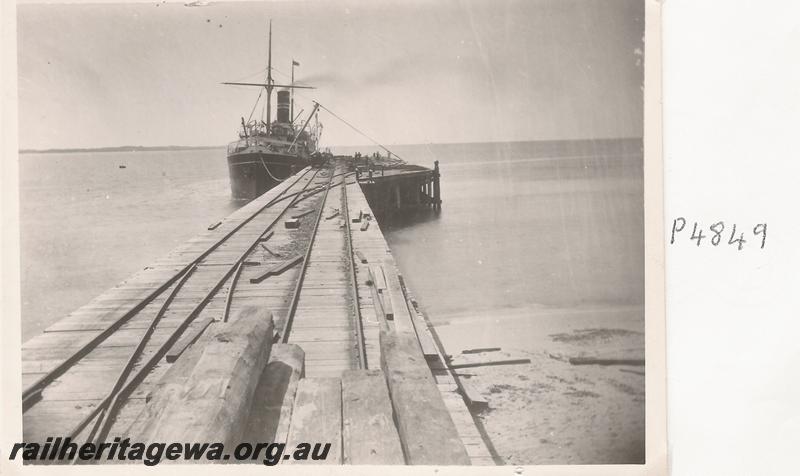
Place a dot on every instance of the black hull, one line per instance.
(252, 174)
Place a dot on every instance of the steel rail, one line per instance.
(111, 398)
(31, 394)
(144, 370)
(316, 190)
(232, 288)
(287, 325)
(362, 354)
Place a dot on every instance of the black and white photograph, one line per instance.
(333, 233)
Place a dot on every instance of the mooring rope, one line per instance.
(270, 173)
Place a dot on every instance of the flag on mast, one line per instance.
(295, 63)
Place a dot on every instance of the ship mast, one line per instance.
(269, 85)
(291, 98)
(269, 81)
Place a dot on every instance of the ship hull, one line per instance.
(253, 173)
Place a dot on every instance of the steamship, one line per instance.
(268, 152)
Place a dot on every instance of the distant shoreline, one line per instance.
(138, 148)
(124, 148)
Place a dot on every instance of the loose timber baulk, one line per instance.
(207, 345)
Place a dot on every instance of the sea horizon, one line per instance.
(157, 148)
(537, 246)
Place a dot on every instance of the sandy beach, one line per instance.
(470, 267)
(550, 411)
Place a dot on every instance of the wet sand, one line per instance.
(87, 224)
(550, 411)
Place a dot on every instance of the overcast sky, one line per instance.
(444, 71)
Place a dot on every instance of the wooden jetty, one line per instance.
(254, 331)
(400, 188)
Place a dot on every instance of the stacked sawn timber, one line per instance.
(233, 385)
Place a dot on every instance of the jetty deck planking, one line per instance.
(328, 327)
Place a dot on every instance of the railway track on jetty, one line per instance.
(132, 335)
(345, 357)
(324, 317)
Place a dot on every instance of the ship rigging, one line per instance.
(268, 151)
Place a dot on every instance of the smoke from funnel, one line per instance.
(388, 73)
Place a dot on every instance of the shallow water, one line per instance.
(87, 224)
(536, 225)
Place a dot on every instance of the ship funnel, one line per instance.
(283, 106)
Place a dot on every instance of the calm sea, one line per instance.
(524, 227)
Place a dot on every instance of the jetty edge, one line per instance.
(258, 331)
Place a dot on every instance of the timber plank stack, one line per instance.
(227, 376)
(371, 249)
(77, 391)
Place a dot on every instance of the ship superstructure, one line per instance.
(269, 151)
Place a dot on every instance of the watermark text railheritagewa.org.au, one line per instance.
(151, 454)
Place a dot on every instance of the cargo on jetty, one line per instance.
(287, 321)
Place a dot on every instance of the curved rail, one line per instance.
(112, 400)
(108, 406)
(31, 394)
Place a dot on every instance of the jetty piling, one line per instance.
(401, 188)
(321, 341)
